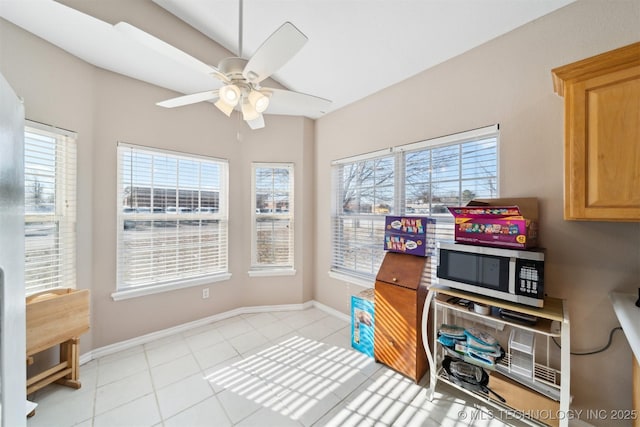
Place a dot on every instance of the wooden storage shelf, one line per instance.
(56, 317)
(547, 392)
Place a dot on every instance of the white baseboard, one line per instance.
(331, 311)
(143, 339)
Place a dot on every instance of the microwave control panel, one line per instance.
(530, 278)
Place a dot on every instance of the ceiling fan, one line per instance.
(240, 78)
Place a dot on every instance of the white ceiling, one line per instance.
(355, 47)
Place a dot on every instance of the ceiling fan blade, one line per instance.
(256, 123)
(188, 99)
(166, 49)
(276, 51)
(291, 103)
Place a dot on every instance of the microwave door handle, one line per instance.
(512, 276)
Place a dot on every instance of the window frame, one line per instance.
(444, 220)
(176, 215)
(63, 216)
(258, 269)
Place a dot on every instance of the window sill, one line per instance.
(274, 272)
(352, 279)
(166, 287)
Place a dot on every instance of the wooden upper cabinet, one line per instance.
(602, 135)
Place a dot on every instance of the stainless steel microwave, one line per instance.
(507, 274)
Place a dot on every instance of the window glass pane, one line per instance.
(485, 188)
(445, 163)
(367, 187)
(365, 194)
(184, 236)
(272, 241)
(479, 159)
(50, 204)
(40, 173)
(418, 167)
(444, 194)
(435, 177)
(273, 238)
(359, 249)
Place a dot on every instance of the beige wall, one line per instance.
(508, 81)
(57, 89)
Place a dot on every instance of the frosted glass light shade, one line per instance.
(230, 94)
(224, 107)
(259, 101)
(248, 111)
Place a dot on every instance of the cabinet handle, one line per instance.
(394, 279)
(392, 343)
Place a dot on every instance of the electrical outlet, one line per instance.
(205, 293)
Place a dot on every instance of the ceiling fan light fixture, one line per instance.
(224, 107)
(230, 94)
(248, 111)
(258, 100)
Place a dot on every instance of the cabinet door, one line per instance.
(395, 332)
(602, 149)
(401, 269)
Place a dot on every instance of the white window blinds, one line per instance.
(273, 221)
(364, 193)
(50, 207)
(172, 217)
(415, 179)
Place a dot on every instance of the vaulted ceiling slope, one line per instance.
(355, 47)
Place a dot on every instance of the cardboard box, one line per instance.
(413, 235)
(363, 321)
(507, 223)
(523, 399)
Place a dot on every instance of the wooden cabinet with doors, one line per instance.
(602, 135)
(399, 301)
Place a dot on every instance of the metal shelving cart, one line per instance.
(541, 392)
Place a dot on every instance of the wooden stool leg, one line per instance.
(69, 354)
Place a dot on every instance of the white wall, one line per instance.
(508, 81)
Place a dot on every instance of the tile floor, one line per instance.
(275, 369)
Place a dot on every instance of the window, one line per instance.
(172, 220)
(415, 179)
(365, 193)
(50, 207)
(272, 208)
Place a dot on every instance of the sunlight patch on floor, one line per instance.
(304, 379)
(292, 376)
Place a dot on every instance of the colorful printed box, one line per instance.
(362, 321)
(413, 235)
(507, 223)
